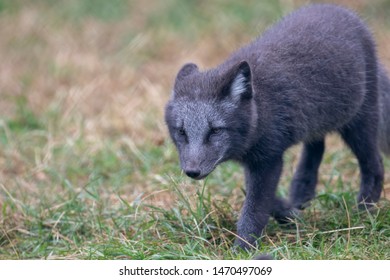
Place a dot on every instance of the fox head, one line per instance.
(210, 116)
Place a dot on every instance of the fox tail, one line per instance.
(384, 110)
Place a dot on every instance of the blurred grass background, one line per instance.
(86, 166)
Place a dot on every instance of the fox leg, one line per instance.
(302, 188)
(360, 135)
(261, 182)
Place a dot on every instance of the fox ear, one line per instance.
(241, 83)
(187, 69)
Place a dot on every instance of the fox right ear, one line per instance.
(241, 84)
(186, 70)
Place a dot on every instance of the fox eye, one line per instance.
(215, 130)
(181, 135)
(181, 131)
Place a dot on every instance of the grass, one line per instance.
(87, 170)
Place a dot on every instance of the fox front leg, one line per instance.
(261, 182)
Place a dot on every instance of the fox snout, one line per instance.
(195, 168)
(197, 163)
(198, 170)
(192, 170)
(193, 173)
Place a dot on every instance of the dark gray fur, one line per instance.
(314, 72)
(384, 110)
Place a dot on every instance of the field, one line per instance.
(87, 170)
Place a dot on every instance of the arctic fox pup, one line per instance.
(314, 72)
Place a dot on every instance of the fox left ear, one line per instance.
(241, 83)
(187, 69)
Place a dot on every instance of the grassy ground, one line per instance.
(86, 168)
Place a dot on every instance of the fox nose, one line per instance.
(193, 173)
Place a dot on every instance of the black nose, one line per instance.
(193, 173)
